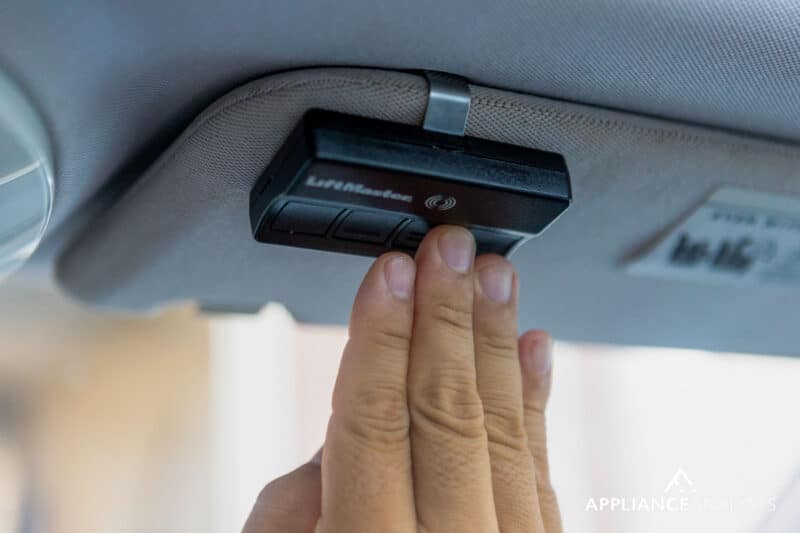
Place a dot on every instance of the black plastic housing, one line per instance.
(349, 184)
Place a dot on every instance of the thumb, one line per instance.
(288, 504)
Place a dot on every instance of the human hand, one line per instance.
(438, 418)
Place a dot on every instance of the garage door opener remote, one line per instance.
(349, 184)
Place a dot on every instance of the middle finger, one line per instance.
(452, 475)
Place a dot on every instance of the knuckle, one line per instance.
(282, 505)
(450, 407)
(265, 496)
(534, 410)
(387, 339)
(275, 497)
(379, 414)
(454, 316)
(505, 425)
(496, 345)
(510, 444)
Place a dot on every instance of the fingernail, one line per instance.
(399, 272)
(457, 248)
(496, 282)
(539, 356)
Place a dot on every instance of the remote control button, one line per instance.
(365, 226)
(411, 236)
(493, 242)
(306, 219)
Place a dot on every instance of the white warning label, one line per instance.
(737, 236)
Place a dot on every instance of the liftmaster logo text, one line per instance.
(356, 188)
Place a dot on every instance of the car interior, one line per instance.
(243, 162)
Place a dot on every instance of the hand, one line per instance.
(438, 418)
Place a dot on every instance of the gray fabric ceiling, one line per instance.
(110, 76)
(182, 232)
(116, 81)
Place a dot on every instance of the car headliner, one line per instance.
(116, 83)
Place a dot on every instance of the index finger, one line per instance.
(366, 467)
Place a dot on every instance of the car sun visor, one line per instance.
(184, 231)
